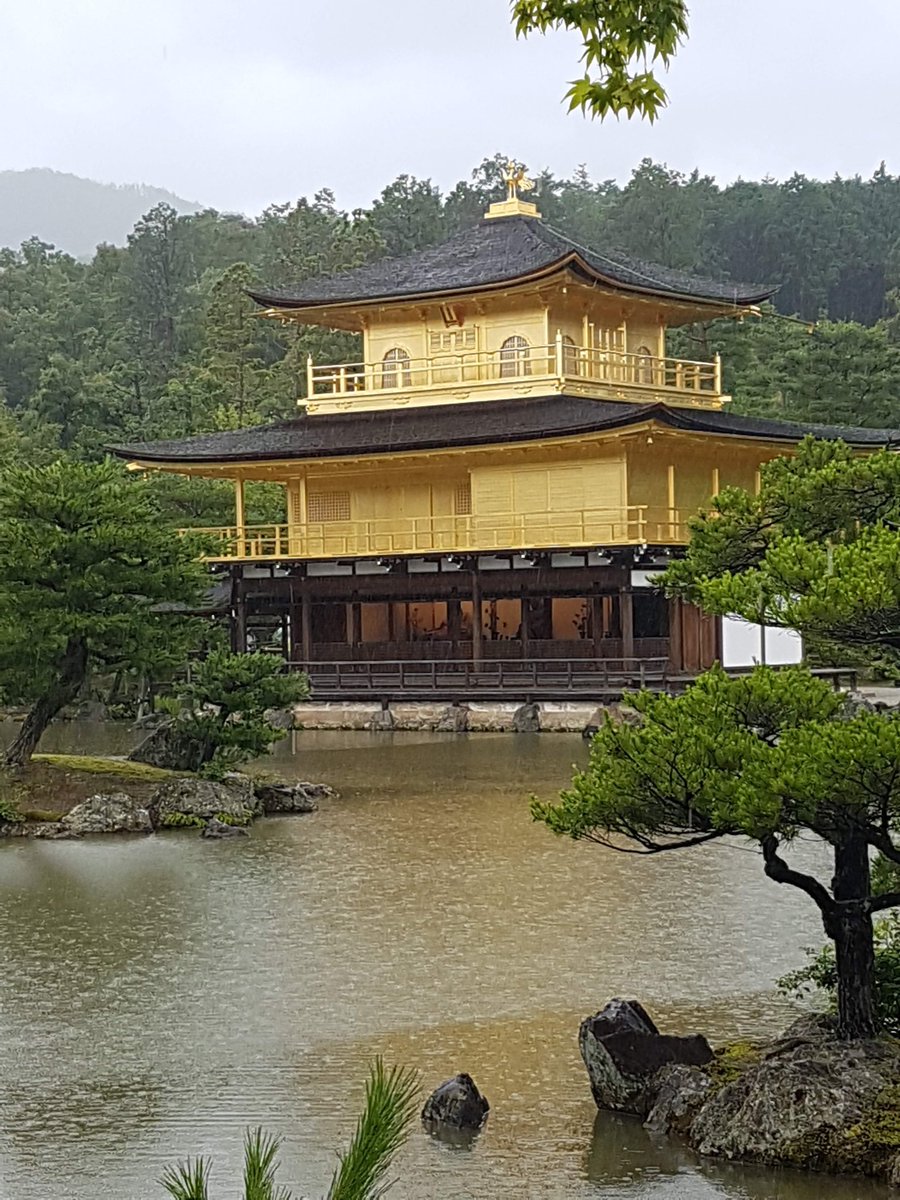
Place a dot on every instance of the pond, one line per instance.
(159, 995)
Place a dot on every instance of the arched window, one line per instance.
(514, 357)
(570, 355)
(395, 370)
(643, 365)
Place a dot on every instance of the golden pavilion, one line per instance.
(502, 472)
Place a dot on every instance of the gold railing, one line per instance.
(558, 360)
(636, 525)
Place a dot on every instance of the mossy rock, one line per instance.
(867, 1147)
(41, 815)
(180, 820)
(92, 764)
(731, 1061)
(234, 819)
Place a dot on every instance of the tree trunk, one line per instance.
(71, 673)
(854, 949)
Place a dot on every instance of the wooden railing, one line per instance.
(461, 679)
(473, 534)
(557, 360)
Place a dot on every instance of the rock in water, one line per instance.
(114, 813)
(457, 1103)
(291, 797)
(196, 801)
(527, 719)
(623, 1050)
(219, 829)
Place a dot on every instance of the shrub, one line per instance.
(820, 974)
(223, 708)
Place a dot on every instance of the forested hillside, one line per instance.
(157, 338)
(72, 213)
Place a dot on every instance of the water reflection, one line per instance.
(161, 994)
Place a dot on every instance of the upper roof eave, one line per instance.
(564, 262)
(452, 427)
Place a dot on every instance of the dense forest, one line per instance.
(158, 339)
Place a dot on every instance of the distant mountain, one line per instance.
(74, 214)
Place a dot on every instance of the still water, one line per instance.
(159, 995)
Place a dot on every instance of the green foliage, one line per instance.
(817, 550)
(179, 820)
(188, 1180)
(11, 796)
(260, 1167)
(820, 974)
(620, 41)
(713, 761)
(383, 1126)
(85, 564)
(223, 706)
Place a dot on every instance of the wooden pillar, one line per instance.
(597, 624)
(400, 621)
(239, 514)
(354, 623)
(286, 636)
(305, 628)
(676, 649)
(453, 626)
(626, 620)
(524, 625)
(238, 615)
(477, 634)
(670, 500)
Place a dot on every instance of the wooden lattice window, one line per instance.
(515, 357)
(451, 341)
(462, 498)
(328, 506)
(395, 370)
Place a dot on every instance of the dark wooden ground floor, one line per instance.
(469, 616)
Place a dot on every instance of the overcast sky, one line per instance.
(238, 104)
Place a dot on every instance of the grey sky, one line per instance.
(239, 104)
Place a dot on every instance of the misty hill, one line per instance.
(72, 213)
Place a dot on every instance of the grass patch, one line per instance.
(52, 784)
(122, 768)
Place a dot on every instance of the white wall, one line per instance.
(742, 644)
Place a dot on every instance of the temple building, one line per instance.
(504, 470)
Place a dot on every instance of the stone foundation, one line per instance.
(474, 717)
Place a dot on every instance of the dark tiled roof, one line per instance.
(498, 251)
(455, 425)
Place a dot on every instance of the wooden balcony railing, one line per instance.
(559, 360)
(632, 526)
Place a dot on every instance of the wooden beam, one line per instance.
(238, 621)
(626, 620)
(239, 512)
(477, 634)
(454, 615)
(597, 624)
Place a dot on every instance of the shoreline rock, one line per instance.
(623, 1052)
(181, 801)
(805, 1100)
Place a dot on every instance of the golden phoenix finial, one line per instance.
(516, 180)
